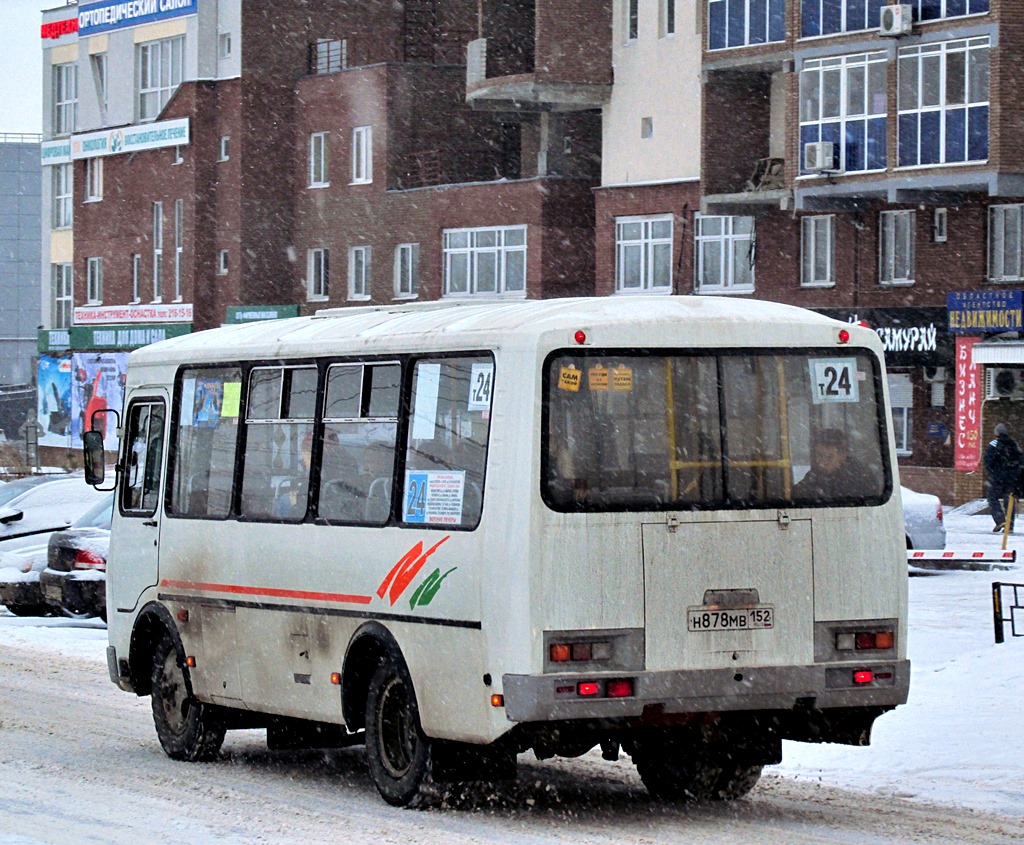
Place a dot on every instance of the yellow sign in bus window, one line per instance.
(569, 379)
(622, 378)
(597, 377)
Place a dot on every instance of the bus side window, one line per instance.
(446, 452)
(145, 452)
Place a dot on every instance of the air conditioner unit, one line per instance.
(896, 20)
(1004, 383)
(935, 375)
(820, 157)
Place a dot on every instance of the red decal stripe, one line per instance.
(266, 591)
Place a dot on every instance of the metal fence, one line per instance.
(1007, 604)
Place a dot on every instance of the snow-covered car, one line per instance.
(75, 578)
(922, 517)
(26, 523)
(12, 489)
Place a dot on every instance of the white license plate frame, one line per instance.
(701, 619)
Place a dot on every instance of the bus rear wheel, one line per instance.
(187, 729)
(397, 751)
(675, 772)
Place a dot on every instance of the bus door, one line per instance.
(137, 536)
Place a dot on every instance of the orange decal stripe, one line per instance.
(269, 592)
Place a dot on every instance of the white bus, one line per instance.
(458, 532)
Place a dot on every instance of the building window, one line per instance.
(940, 225)
(725, 254)
(222, 262)
(179, 156)
(930, 10)
(668, 17)
(161, 65)
(179, 245)
(646, 127)
(407, 271)
(485, 261)
(843, 100)
(319, 160)
(901, 398)
(818, 251)
(224, 45)
(62, 196)
(943, 102)
(94, 281)
(1004, 243)
(737, 23)
(99, 77)
(896, 247)
(825, 17)
(359, 272)
(65, 98)
(62, 297)
(225, 148)
(362, 155)
(93, 179)
(318, 272)
(137, 277)
(643, 254)
(328, 55)
(632, 19)
(158, 251)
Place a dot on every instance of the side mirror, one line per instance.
(92, 445)
(9, 515)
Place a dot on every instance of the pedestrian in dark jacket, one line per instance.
(1003, 462)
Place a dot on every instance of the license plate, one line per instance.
(758, 618)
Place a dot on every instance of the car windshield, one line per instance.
(99, 515)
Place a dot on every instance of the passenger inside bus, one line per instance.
(292, 493)
(835, 471)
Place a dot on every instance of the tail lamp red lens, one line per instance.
(86, 559)
(864, 676)
(844, 336)
(588, 688)
(619, 689)
(865, 640)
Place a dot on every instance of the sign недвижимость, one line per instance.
(985, 311)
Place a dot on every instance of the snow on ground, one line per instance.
(957, 740)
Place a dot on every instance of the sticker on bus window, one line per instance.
(597, 378)
(622, 378)
(569, 379)
(232, 398)
(209, 399)
(834, 380)
(433, 498)
(481, 383)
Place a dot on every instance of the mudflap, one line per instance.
(841, 725)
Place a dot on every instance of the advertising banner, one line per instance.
(176, 312)
(97, 384)
(967, 444)
(131, 139)
(53, 400)
(985, 311)
(118, 14)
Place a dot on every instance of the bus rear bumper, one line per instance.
(543, 698)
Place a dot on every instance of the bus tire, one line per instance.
(187, 729)
(397, 751)
(734, 781)
(671, 775)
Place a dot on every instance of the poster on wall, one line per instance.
(97, 384)
(53, 400)
(967, 445)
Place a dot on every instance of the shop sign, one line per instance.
(910, 335)
(985, 311)
(178, 312)
(53, 340)
(58, 29)
(121, 337)
(967, 443)
(55, 152)
(253, 313)
(130, 139)
(108, 15)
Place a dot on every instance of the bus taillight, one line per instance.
(619, 689)
(588, 688)
(865, 641)
(864, 676)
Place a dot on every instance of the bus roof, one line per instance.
(708, 321)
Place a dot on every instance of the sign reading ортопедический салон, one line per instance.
(117, 14)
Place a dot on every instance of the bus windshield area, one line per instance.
(733, 429)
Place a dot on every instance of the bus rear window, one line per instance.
(650, 432)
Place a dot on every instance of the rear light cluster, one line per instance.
(568, 652)
(865, 641)
(617, 688)
(85, 559)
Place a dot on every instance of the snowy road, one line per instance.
(79, 762)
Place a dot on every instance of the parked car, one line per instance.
(922, 517)
(12, 489)
(75, 578)
(26, 523)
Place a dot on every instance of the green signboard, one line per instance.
(252, 313)
(120, 336)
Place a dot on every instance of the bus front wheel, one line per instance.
(187, 729)
(397, 752)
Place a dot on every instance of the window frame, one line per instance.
(99, 66)
(319, 159)
(136, 277)
(94, 280)
(870, 19)
(362, 155)
(902, 412)
(360, 270)
(223, 262)
(318, 274)
(919, 8)
(728, 239)
(62, 295)
(648, 245)
(158, 251)
(179, 246)
(93, 179)
(64, 89)
(407, 261)
(889, 233)
(153, 87)
(62, 178)
(722, 16)
(473, 250)
(809, 226)
(997, 228)
(667, 18)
